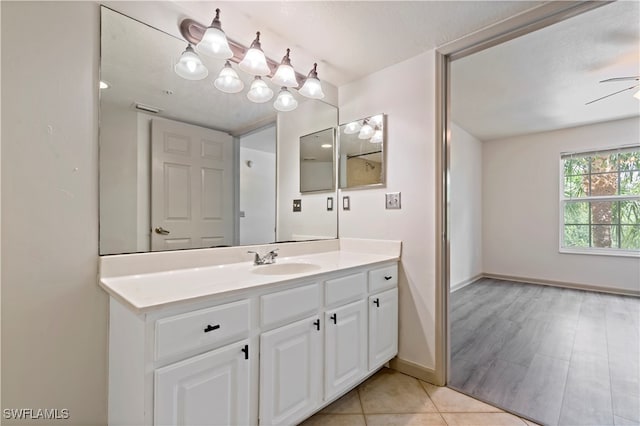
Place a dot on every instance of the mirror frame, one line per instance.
(333, 166)
(383, 173)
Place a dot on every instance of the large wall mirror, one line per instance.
(361, 159)
(184, 165)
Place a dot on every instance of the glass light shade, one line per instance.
(254, 61)
(352, 128)
(190, 67)
(285, 101)
(376, 120)
(259, 92)
(366, 131)
(228, 80)
(377, 136)
(312, 89)
(285, 75)
(637, 95)
(214, 43)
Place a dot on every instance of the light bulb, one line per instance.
(259, 92)
(214, 42)
(228, 80)
(190, 66)
(285, 101)
(366, 131)
(254, 61)
(285, 75)
(352, 128)
(312, 87)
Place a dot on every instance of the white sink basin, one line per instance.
(285, 268)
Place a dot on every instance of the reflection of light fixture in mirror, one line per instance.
(104, 84)
(352, 128)
(377, 135)
(326, 145)
(285, 101)
(312, 87)
(637, 95)
(228, 80)
(366, 131)
(190, 66)
(259, 92)
(254, 61)
(376, 120)
(285, 76)
(214, 43)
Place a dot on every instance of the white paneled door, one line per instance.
(191, 186)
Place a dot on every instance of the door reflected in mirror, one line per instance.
(317, 166)
(362, 160)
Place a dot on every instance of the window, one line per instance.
(600, 202)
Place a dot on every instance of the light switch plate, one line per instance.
(346, 203)
(297, 205)
(329, 204)
(392, 200)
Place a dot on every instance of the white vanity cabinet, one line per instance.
(271, 354)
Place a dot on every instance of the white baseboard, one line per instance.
(463, 284)
(563, 284)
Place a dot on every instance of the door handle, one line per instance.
(160, 230)
(376, 302)
(334, 318)
(317, 324)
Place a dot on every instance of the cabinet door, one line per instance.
(290, 372)
(345, 347)
(383, 327)
(209, 389)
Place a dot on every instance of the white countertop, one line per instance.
(149, 291)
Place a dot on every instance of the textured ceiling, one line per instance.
(541, 81)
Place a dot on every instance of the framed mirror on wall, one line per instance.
(183, 164)
(362, 152)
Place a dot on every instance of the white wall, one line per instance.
(258, 189)
(54, 315)
(314, 220)
(521, 208)
(465, 227)
(410, 105)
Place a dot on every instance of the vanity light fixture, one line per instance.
(285, 76)
(254, 61)
(377, 135)
(214, 42)
(285, 101)
(259, 92)
(228, 80)
(366, 131)
(312, 88)
(352, 128)
(190, 66)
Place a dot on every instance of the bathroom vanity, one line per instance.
(236, 344)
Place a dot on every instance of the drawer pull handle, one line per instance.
(388, 277)
(334, 318)
(317, 324)
(246, 351)
(211, 328)
(377, 303)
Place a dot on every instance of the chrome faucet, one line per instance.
(267, 259)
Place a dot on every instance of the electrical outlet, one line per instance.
(297, 205)
(392, 200)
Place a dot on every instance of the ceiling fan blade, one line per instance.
(620, 79)
(611, 94)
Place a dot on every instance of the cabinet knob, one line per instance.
(334, 318)
(376, 302)
(210, 327)
(317, 324)
(388, 277)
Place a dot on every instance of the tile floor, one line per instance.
(390, 398)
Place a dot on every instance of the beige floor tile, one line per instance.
(389, 392)
(419, 419)
(448, 400)
(348, 404)
(530, 423)
(335, 420)
(482, 419)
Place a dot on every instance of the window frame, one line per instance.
(564, 200)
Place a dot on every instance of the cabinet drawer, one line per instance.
(383, 278)
(289, 304)
(345, 289)
(210, 327)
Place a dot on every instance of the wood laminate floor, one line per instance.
(559, 356)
